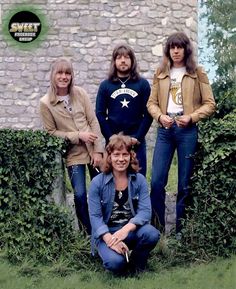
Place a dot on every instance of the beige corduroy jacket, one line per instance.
(58, 121)
(198, 99)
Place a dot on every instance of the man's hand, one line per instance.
(120, 248)
(96, 159)
(183, 121)
(87, 137)
(122, 234)
(134, 141)
(117, 245)
(166, 121)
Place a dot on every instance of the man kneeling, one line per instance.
(120, 210)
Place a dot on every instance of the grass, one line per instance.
(219, 274)
(216, 275)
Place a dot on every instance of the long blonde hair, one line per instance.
(64, 65)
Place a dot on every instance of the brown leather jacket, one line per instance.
(59, 122)
(198, 99)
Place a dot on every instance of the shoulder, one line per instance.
(95, 183)
(80, 94)
(202, 75)
(160, 74)
(141, 85)
(105, 82)
(99, 179)
(104, 87)
(144, 81)
(139, 178)
(45, 99)
(78, 90)
(158, 71)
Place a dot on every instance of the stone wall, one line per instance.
(86, 31)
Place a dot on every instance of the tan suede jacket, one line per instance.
(59, 122)
(198, 99)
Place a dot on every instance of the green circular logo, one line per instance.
(24, 27)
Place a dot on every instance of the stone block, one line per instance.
(90, 29)
(157, 50)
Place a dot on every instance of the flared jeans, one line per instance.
(184, 140)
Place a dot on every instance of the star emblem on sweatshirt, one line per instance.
(125, 103)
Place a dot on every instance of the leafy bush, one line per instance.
(210, 227)
(30, 225)
(33, 227)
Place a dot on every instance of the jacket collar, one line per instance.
(109, 177)
(166, 73)
(53, 100)
(56, 101)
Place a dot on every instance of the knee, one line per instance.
(152, 235)
(155, 236)
(157, 182)
(115, 264)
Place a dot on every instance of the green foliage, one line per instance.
(211, 223)
(226, 103)
(221, 37)
(31, 226)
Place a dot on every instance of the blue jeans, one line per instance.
(142, 156)
(184, 140)
(77, 174)
(141, 242)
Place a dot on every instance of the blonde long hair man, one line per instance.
(67, 112)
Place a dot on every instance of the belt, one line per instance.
(174, 114)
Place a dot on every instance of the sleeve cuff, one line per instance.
(101, 231)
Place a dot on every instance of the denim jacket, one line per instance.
(101, 198)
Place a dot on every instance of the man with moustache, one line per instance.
(121, 102)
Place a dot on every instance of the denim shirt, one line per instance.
(101, 198)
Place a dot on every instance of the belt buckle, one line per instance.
(175, 115)
(171, 115)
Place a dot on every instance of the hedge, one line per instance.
(30, 225)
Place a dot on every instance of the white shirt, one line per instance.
(66, 100)
(175, 102)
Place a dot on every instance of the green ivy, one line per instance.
(30, 225)
(210, 227)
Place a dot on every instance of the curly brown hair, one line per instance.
(119, 142)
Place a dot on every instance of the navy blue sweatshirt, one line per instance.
(123, 109)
